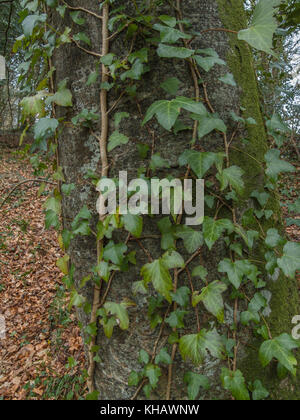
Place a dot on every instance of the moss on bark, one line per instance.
(285, 299)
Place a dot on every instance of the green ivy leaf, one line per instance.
(228, 79)
(166, 113)
(207, 63)
(275, 165)
(115, 253)
(192, 239)
(195, 346)
(81, 36)
(120, 311)
(170, 35)
(153, 373)
(290, 261)
(213, 229)
(163, 357)
(260, 34)
(115, 140)
(232, 176)
(273, 238)
(158, 273)
(182, 296)
(133, 224)
(175, 320)
(171, 85)
(45, 128)
(235, 383)
(235, 270)
(30, 22)
(280, 349)
(195, 382)
(173, 259)
(259, 391)
(33, 105)
(200, 162)
(63, 97)
(167, 51)
(201, 272)
(211, 296)
(208, 123)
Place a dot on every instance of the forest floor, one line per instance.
(42, 355)
(41, 334)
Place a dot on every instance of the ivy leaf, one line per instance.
(170, 35)
(235, 270)
(81, 36)
(211, 296)
(290, 261)
(235, 383)
(135, 72)
(208, 123)
(134, 378)
(273, 238)
(207, 63)
(51, 219)
(228, 79)
(213, 229)
(262, 197)
(195, 382)
(114, 253)
(252, 314)
(133, 224)
(153, 373)
(175, 320)
(168, 20)
(30, 22)
(192, 239)
(232, 176)
(280, 349)
(295, 207)
(120, 311)
(163, 357)
(45, 128)
(171, 85)
(259, 391)
(158, 162)
(166, 113)
(115, 140)
(76, 18)
(182, 296)
(275, 165)
(200, 162)
(190, 105)
(167, 51)
(158, 273)
(260, 34)
(195, 346)
(173, 259)
(63, 97)
(33, 105)
(201, 272)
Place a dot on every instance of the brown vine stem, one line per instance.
(93, 53)
(104, 173)
(82, 9)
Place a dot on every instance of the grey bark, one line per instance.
(79, 151)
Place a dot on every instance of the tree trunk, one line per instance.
(79, 152)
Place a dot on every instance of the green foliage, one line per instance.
(260, 34)
(280, 348)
